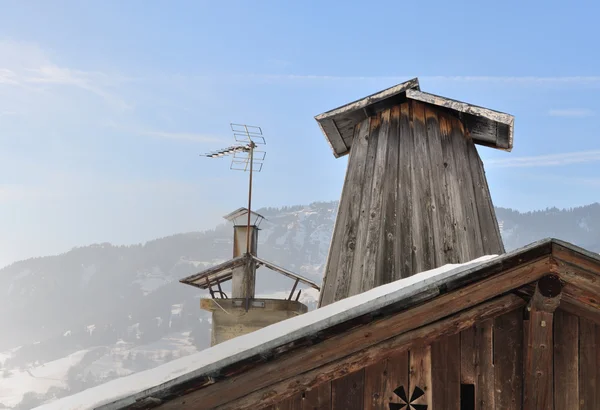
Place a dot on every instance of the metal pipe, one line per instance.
(293, 289)
(249, 191)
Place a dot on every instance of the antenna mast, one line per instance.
(245, 158)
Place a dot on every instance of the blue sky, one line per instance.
(105, 105)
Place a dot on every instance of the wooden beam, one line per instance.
(547, 295)
(566, 360)
(582, 310)
(539, 353)
(578, 275)
(361, 337)
(366, 357)
(578, 257)
(484, 367)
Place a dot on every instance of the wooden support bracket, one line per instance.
(539, 351)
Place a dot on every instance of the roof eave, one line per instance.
(487, 127)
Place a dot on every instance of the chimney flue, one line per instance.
(244, 277)
(415, 195)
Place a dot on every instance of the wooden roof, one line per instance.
(486, 127)
(359, 335)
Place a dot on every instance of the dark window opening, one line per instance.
(467, 397)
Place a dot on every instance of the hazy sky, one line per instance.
(105, 105)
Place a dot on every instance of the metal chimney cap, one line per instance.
(243, 213)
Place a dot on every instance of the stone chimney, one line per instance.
(415, 195)
(243, 312)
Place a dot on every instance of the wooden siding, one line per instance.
(415, 197)
(485, 364)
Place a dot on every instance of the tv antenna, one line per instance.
(244, 157)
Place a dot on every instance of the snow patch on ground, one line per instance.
(38, 379)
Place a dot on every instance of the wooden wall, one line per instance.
(480, 368)
(415, 197)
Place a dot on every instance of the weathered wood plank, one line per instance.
(389, 258)
(588, 369)
(525, 348)
(484, 390)
(566, 358)
(413, 339)
(405, 192)
(466, 213)
(491, 239)
(445, 372)
(353, 280)
(436, 185)
(508, 360)
(420, 380)
(370, 274)
(422, 221)
(452, 214)
(538, 376)
(318, 398)
(343, 244)
(354, 340)
(347, 391)
(333, 254)
(382, 378)
(468, 356)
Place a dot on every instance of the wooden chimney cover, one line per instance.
(415, 195)
(486, 127)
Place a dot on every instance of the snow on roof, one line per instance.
(121, 392)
